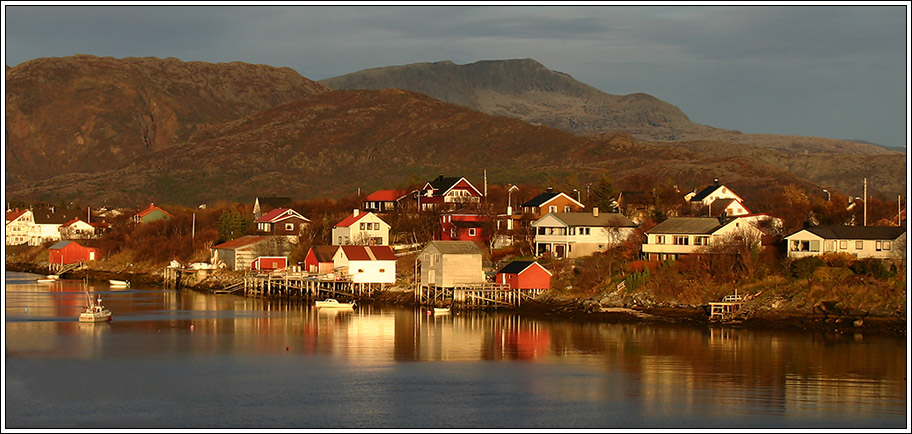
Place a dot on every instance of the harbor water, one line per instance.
(181, 359)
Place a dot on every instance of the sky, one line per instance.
(837, 70)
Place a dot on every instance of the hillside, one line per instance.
(88, 114)
(525, 89)
(331, 144)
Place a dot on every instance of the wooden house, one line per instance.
(20, 227)
(48, 222)
(716, 200)
(269, 263)
(447, 264)
(361, 228)
(550, 202)
(70, 252)
(239, 253)
(881, 242)
(151, 214)
(577, 234)
(446, 193)
(367, 264)
(76, 229)
(686, 235)
(320, 259)
(463, 225)
(282, 222)
(524, 275)
(382, 201)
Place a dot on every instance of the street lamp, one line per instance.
(828, 194)
(577, 194)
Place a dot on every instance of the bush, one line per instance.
(805, 267)
(839, 260)
(872, 267)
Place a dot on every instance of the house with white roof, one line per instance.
(686, 235)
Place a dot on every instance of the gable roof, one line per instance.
(386, 195)
(442, 185)
(612, 220)
(60, 244)
(324, 253)
(687, 225)
(243, 241)
(546, 197)
(279, 214)
(456, 247)
(368, 253)
(838, 232)
(352, 219)
(150, 209)
(517, 267)
(54, 217)
(719, 205)
(13, 215)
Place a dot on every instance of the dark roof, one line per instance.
(515, 267)
(442, 184)
(273, 201)
(456, 247)
(58, 217)
(857, 232)
(719, 205)
(60, 245)
(540, 199)
(605, 219)
(705, 192)
(324, 253)
(687, 225)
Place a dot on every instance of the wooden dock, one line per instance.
(474, 296)
(726, 309)
(305, 286)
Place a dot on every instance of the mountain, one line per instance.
(332, 143)
(525, 89)
(87, 114)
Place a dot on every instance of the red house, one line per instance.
(446, 193)
(269, 263)
(524, 275)
(70, 252)
(462, 226)
(319, 259)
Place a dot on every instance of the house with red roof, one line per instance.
(77, 229)
(239, 253)
(446, 193)
(463, 225)
(361, 228)
(20, 227)
(367, 264)
(151, 214)
(321, 259)
(385, 200)
(282, 221)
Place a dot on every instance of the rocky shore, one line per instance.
(604, 309)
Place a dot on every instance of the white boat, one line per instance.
(441, 310)
(333, 303)
(95, 311)
(51, 278)
(119, 283)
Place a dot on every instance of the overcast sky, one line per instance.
(825, 71)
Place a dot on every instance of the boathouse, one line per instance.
(71, 252)
(447, 264)
(524, 275)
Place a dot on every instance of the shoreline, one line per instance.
(583, 310)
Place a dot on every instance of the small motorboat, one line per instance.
(95, 311)
(333, 303)
(441, 310)
(119, 283)
(51, 278)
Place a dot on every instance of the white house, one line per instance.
(20, 227)
(685, 235)
(861, 241)
(716, 200)
(576, 234)
(363, 228)
(367, 264)
(76, 229)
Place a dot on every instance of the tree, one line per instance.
(232, 224)
(602, 192)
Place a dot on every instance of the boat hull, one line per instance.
(332, 304)
(103, 316)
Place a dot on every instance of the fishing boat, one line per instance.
(119, 283)
(95, 311)
(333, 304)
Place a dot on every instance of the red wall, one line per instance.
(71, 254)
(533, 277)
(269, 263)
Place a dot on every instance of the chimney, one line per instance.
(595, 211)
(355, 213)
(716, 181)
(550, 189)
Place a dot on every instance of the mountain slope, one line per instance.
(527, 90)
(87, 113)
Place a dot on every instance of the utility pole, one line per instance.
(865, 202)
(193, 230)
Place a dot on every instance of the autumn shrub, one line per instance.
(838, 259)
(872, 267)
(832, 274)
(804, 267)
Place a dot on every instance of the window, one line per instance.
(437, 258)
(360, 270)
(887, 245)
(552, 209)
(471, 232)
(383, 270)
(362, 226)
(289, 226)
(681, 240)
(701, 241)
(878, 246)
(376, 226)
(660, 239)
(859, 245)
(566, 208)
(843, 245)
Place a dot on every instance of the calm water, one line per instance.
(181, 359)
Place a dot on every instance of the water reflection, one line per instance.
(667, 370)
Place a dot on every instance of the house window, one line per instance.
(584, 231)
(681, 240)
(360, 270)
(843, 245)
(437, 258)
(859, 245)
(289, 226)
(376, 226)
(362, 226)
(701, 241)
(552, 209)
(660, 239)
(471, 232)
(878, 246)
(383, 270)
(566, 208)
(887, 245)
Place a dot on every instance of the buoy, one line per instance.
(429, 312)
(191, 327)
(26, 309)
(286, 348)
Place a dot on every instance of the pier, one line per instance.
(476, 296)
(726, 309)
